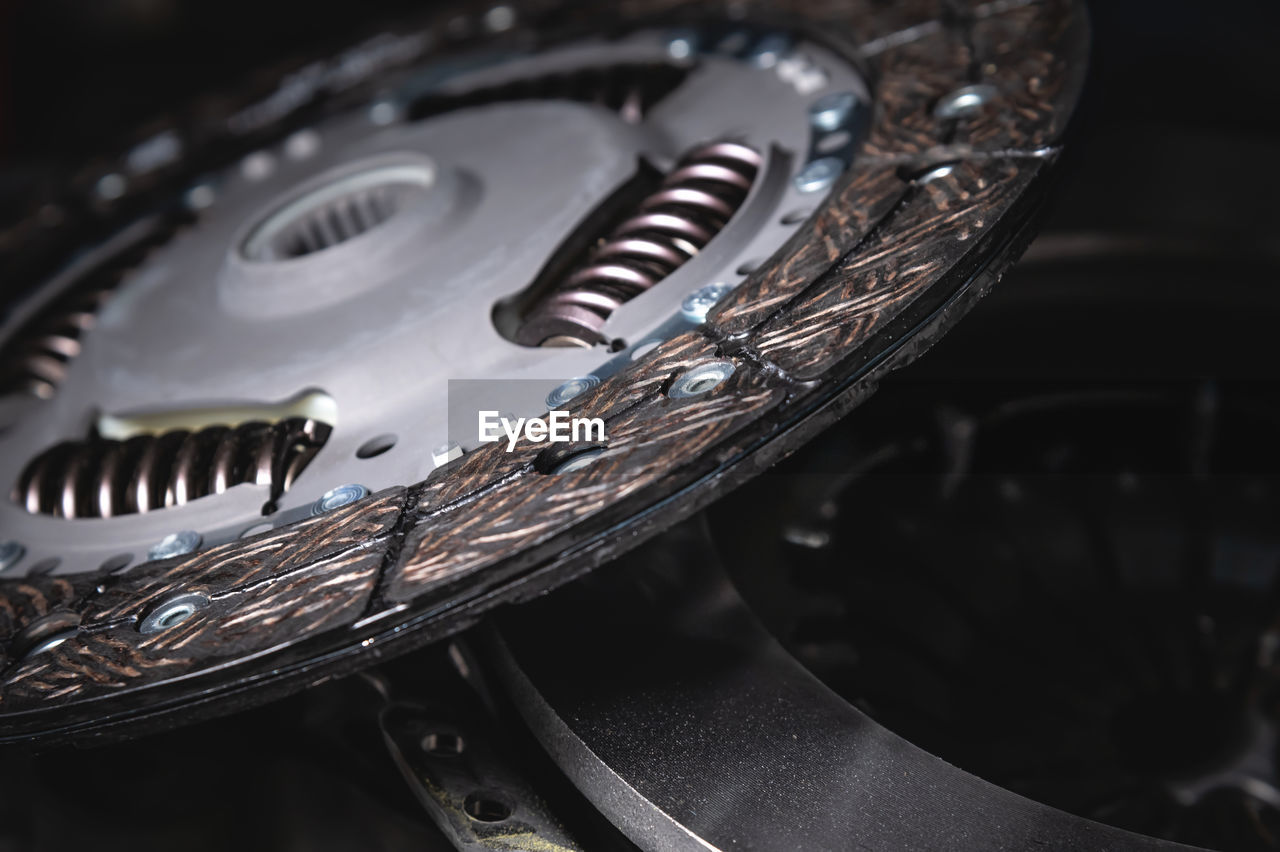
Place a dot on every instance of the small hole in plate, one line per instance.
(376, 446)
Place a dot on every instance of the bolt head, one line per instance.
(336, 498)
(699, 303)
(831, 112)
(176, 544)
(819, 174)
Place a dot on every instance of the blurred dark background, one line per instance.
(1174, 169)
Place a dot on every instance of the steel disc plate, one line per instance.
(969, 102)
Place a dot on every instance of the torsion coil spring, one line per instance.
(37, 362)
(35, 359)
(671, 225)
(104, 478)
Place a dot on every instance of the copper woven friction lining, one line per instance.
(885, 238)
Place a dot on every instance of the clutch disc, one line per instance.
(281, 394)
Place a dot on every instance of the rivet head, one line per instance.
(701, 379)
(699, 303)
(499, 19)
(46, 633)
(176, 544)
(172, 612)
(831, 112)
(682, 45)
(257, 166)
(336, 498)
(383, 113)
(578, 461)
(936, 173)
(51, 642)
(571, 390)
(965, 101)
(302, 145)
(200, 197)
(819, 174)
(769, 49)
(110, 187)
(11, 554)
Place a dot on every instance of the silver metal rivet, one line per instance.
(110, 187)
(48, 632)
(965, 101)
(830, 143)
(499, 19)
(199, 197)
(172, 612)
(571, 390)
(383, 113)
(768, 50)
(819, 174)
(701, 379)
(302, 145)
(50, 642)
(11, 554)
(258, 166)
(831, 112)
(682, 45)
(579, 460)
(935, 173)
(336, 498)
(176, 544)
(699, 303)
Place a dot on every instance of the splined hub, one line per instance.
(535, 217)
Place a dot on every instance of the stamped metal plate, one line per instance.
(970, 103)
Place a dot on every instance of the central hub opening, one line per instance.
(339, 211)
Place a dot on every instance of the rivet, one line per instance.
(701, 379)
(571, 390)
(699, 303)
(819, 174)
(831, 112)
(965, 101)
(336, 498)
(176, 544)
